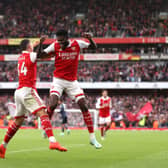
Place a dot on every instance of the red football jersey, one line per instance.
(104, 105)
(66, 61)
(27, 69)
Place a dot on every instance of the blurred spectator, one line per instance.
(97, 71)
(135, 102)
(110, 18)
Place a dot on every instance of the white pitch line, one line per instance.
(43, 148)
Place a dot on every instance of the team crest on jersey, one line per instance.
(73, 48)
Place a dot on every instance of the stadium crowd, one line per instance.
(97, 71)
(110, 18)
(119, 105)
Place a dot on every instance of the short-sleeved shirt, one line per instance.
(27, 69)
(66, 61)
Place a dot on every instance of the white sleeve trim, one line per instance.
(83, 44)
(33, 57)
(50, 48)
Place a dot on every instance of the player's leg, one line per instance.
(53, 102)
(76, 93)
(35, 105)
(67, 129)
(62, 129)
(102, 131)
(88, 121)
(55, 93)
(102, 127)
(108, 123)
(12, 129)
(65, 122)
(46, 125)
(86, 114)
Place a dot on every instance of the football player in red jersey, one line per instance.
(27, 99)
(104, 105)
(66, 54)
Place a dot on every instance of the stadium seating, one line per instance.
(127, 18)
(98, 71)
(118, 101)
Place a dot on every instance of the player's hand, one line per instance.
(36, 43)
(43, 38)
(87, 35)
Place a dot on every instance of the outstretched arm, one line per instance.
(92, 43)
(42, 54)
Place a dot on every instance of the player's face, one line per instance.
(63, 41)
(105, 94)
(30, 47)
(152, 101)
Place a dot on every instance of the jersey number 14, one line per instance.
(23, 69)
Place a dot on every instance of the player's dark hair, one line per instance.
(104, 90)
(62, 32)
(23, 44)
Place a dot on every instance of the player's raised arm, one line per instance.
(46, 53)
(92, 44)
(83, 44)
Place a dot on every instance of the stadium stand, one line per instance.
(97, 71)
(128, 18)
(119, 106)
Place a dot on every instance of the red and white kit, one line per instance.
(66, 66)
(26, 96)
(104, 105)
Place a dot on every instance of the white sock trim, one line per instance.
(92, 136)
(52, 139)
(4, 144)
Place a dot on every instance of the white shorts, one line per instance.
(71, 88)
(104, 120)
(27, 101)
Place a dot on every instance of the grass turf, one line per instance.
(121, 149)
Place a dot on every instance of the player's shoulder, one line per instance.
(23, 55)
(105, 98)
(101, 98)
(109, 98)
(73, 42)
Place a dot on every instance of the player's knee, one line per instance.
(19, 121)
(53, 102)
(83, 106)
(53, 106)
(41, 113)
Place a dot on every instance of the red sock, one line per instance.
(46, 125)
(102, 131)
(50, 112)
(88, 121)
(12, 129)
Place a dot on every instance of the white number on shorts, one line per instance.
(23, 69)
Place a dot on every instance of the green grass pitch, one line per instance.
(121, 149)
